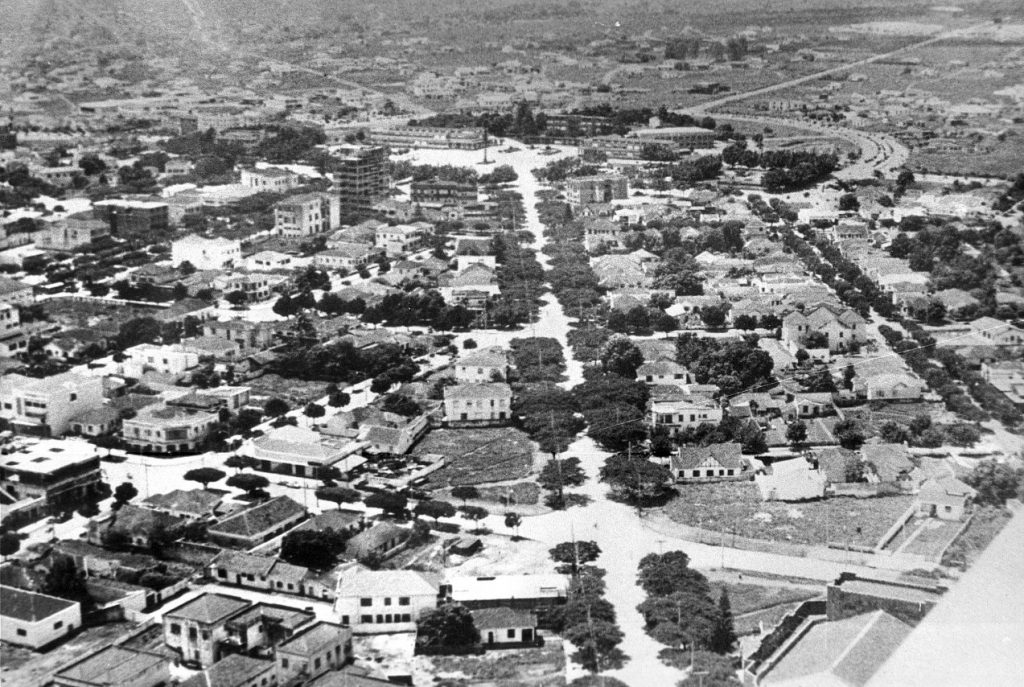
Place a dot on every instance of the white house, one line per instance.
(172, 359)
(486, 365)
(791, 480)
(383, 601)
(47, 405)
(401, 238)
(206, 254)
(891, 387)
(485, 402)
(36, 620)
(841, 327)
(685, 413)
(663, 372)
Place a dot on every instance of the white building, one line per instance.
(307, 214)
(46, 406)
(486, 402)
(791, 480)
(685, 413)
(12, 339)
(172, 359)
(206, 254)
(485, 365)
(401, 238)
(36, 620)
(167, 429)
(273, 179)
(379, 601)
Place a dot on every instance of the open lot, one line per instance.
(297, 392)
(985, 525)
(541, 667)
(478, 456)
(736, 508)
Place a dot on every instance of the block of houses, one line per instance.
(663, 372)
(235, 670)
(197, 628)
(206, 253)
(384, 601)
(484, 365)
(165, 428)
(45, 406)
(484, 403)
(791, 480)
(312, 652)
(681, 414)
(996, 332)
(256, 525)
(257, 572)
(381, 541)
(116, 665)
(945, 497)
(715, 462)
(36, 620)
(843, 327)
(505, 627)
(509, 591)
(301, 452)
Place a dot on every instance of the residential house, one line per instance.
(116, 665)
(72, 344)
(256, 525)
(268, 261)
(506, 627)
(842, 327)
(13, 340)
(168, 359)
(946, 498)
(807, 404)
(301, 452)
(314, 651)
(997, 333)
(475, 278)
(484, 403)
(52, 475)
(45, 406)
(510, 591)
(136, 525)
(481, 366)
(618, 271)
(36, 620)
(1008, 377)
(959, 304)
(379, 601)
(206, 253)
(381, 541)
(96, 422)
(264, 625)
(250, 337)
(165, 428)
(602, 232)
(345, 256)
(72, 232)
(888, 464)
(840, 465)
(189, 504)
(257, 286)
(688, 412)
(197, 628)
(889, 387)
(663, 372)
(269, 179)
(713, 463)
(400, 239)
(257, 572)
(384, 432)
(14, 292)
(791, 480)
(235, 670)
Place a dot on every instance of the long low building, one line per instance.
(472, 138)
(36, 620)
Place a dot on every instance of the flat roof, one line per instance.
(48, 455)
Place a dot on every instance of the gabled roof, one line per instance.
(362, 582)
(31, 607)
(314, 639)
(195, 501)
(244, 563)
(889, 460)
(946, 489)
(483, 390)
(659, 368)
(503, 617)
(231, 671)
(377, 535)
(727, 455)
(261, 518)
(487, 357)
(112, 665)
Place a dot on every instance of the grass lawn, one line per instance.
(736, 507)
(984, 527)
(767, 618)
(933, 538)
(478, 456)
(747, 598)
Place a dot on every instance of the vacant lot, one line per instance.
(296, 391)
(736, 508)
(540, 667)
(932, 538)
(478, 456)
(984, 527)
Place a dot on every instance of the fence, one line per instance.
(779, 635)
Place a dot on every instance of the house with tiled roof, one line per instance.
(235, 670)
(190, 504)
(712, 463)
(197, 628)
(807, 404)
(376, 601)
(890, 386)
(888, 463)
(838, 464)
(135, 523)
(484, 365)
(959, 304)
(663, 372)
(314, 651)
(505, 627)
(116, 665)
(688, 412)
(36, 620)
(377, 430)
(487, 403)
(617, 271)
(256, 525)
(381, 540)
(842, 327)
(945, 497)
(265, 625)
(996, 332)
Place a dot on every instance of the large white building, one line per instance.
(36, 620)
(172, 359)
(46, 406)
(307, 214)
(167, 429)
(273, 179)
(685, 413)
(206, 254)
(379, 601)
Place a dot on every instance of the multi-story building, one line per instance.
(842, 327)
(171, 359)
(307, 214)
(680, 136)
(362, 176)
(135, 219)
(472, 138)
(57, 474)
(621, 147)
(441, 192)
(36, 620)
(163, 428)
(45, 406)
(377, 601)
(14, 292)
(272, 179)
(257, 286)
(478, 403)
(313, 651)
(401, 238)
(206, 254)
(596, 189)
(71, 232)
(197, 629)
(12, 339)
(685, 413)
(574, 125)
(251, 337)
(486, 365)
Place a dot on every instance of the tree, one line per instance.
(10, 543)
(434, 509)
(994, 482)
(205, 475)
(709, 669)
(124, 493)
(752, 438)
(557, 474)
(714, 316)
(745, 322)
(670, 572)
(248, 482)
(724, 637)
(962, 434)
(848, 202)
(65, 581)
(314, 549)
(275, 407)
(849, 434)
(621, 356)
(796, 433)
(240, 462)
(474, 513)
(466, 492)
(449, 625)
(338, 495)
(313, 410)
(513, 521)
(237, 298)
(635, 479)
(598, 643)
(338, 399)
(848, 374)
(395, 504)
(893, 433)
(574, 554)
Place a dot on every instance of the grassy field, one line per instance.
(984, 527)
(933, 538)
(747, 598)
(736, 508)
(478, 456)
(296, 391)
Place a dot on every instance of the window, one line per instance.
(387, 600)
(284, 662)
(511, 634)
(74, 397)
(365, 602)
(59, 624)
(206, 635)
(403, 601)
(21, 632)
(175, 629)
(387, 618)
(316, 664)
(344, 620)
(406, 618)
(192, 634)
(366, 619)
(222, 573)
(380, 618)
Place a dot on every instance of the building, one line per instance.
(250, 337)
(188, 504)
(445, 138)
(301, 452)
(362, 176)
(165, 428)
(400, 239)
(257, 286)
(135, 219)
(206, 253)
(116, 665)
(55, 475)
(256, 525)
(135, 523)
(36, 620)
(171, 359)
(307, 214)
(620, 147)
(713, 463)
(890, 387)
(270, 179)
(596, 189)
(382, 601)
(268, 261)
(197, 628)
(1008, 377)
(680, 414)
(946, 498)
(257, 572)
(179, 167)
(71, 232)
(380, 541)
(996, 332)
(663, 372)
(509, 591)
(45, 406)
(504, 628)
(13, 292)
(235, 670)
(314, 651)
(442, 192)
(96, 422)
(478, 403)
(345, 256)
(264, 625)
(575, 125)
(842, 327)
(12, 339)
(691, 137)
(791, 480)
(908, 600)
(484, 365)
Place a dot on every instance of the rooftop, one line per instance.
(30, 606)
(234, 669)
(315, 638)
(112, 665)
(502, 587)
(261, 518)
(502, 617)
(382, 582)
(209, 608)
(48, 455)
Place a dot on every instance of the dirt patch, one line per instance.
(478, 456)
